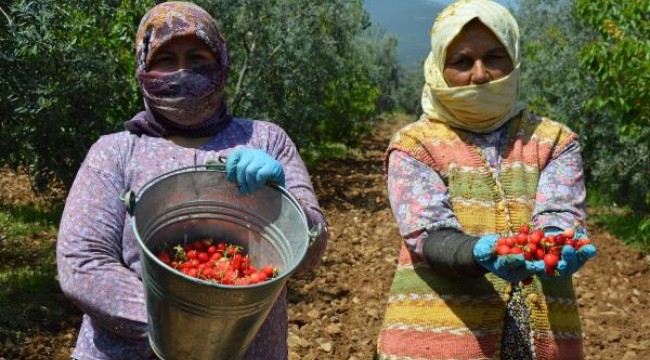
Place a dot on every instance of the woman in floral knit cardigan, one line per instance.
(476, 166)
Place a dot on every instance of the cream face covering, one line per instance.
(477, 108)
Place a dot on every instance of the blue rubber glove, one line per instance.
(513, 268)
(570, 260)
(252, 168)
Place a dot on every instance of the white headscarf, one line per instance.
(477, 108)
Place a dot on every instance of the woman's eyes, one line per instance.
(497, 57)
(462, 62)
(466, 62)
(186, 60)
(198, 57)
(163, 61)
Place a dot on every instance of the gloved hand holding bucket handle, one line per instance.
(252, 169)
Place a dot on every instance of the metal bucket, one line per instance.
(191, 319)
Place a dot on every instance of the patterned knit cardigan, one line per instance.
(430, 316)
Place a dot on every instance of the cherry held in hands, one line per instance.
(536, 245)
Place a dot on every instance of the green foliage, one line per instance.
(632, 229)
(63, 83)
(306, 65)
(619, 61)
(553, 84)
(409, 90)
(400, 87)
(312, 155)
(378, 54)
(594, 77)
(67, 74)
(28, 269)
(22, 221)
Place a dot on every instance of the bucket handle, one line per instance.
(216, 165)
(220, 165)
(128, 198)
(314, 233)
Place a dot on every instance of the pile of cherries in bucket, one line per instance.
(217, 262)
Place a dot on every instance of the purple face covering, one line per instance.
(187, 102)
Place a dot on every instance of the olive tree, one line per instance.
(67, 74)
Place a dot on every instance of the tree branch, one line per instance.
(7, 16)
(239, 95)
(242, 73)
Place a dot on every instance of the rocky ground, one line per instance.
(336, 310)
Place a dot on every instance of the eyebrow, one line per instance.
(164, 52)
(191, 50)
(199, 49)
(498, 48)
(493, 50)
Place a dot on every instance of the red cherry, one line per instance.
(503, 249)
(516, 250)
(582, 242)
(536, 236)
(569, 233)
(269, 270)
(222, 263)
(203, 257)
(521, 239)
(551, 260)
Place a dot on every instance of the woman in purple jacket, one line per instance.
(182, 67)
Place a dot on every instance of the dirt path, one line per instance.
(336, 310)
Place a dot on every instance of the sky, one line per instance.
(409, 21)
(444, 2)
(447, 2)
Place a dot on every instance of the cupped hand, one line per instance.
(571, 260)
(513, 267)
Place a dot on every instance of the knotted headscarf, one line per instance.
(186, 102)
(476, 108)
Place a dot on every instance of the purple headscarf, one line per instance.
(174, 101)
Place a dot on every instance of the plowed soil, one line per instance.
(336, 310)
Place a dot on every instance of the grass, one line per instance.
(312, 155)
(385, 124)
(31, 300)
(632, 228)
(27, 236)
